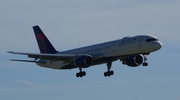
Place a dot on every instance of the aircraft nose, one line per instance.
(157, 45)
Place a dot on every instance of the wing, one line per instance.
(54, 57)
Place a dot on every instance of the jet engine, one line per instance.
(84, 61)
(133, 61)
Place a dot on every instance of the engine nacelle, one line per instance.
(84, 61)
(133, 61)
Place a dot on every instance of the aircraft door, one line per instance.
(139, 42)
(114, 48)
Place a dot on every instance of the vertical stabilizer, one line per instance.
(44, 44)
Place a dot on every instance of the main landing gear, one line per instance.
(81, 73)
(109, 72)
(145, 59)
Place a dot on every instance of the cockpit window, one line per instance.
(151, 39)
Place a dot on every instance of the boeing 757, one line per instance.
(131, 51)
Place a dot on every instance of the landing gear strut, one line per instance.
(81, 73)
(109, 72)
(145, 59)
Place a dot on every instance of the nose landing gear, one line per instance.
(145, 59)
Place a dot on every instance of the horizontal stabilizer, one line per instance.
(28, 61)
(23, 60)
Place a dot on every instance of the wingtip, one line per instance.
(9, 52)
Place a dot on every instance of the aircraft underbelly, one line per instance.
(53, 64)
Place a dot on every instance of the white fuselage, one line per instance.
(122, 47)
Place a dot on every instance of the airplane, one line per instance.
(131, 51)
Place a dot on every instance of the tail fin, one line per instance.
(44, 44)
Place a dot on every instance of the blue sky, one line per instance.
(76, 23)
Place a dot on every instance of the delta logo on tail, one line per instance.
(44, 45)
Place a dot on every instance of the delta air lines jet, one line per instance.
(131, 51)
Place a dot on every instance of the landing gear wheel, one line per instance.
(145, 59)
(77, 75)
(105, 74)
(81, 73)
(109, 72)
(145, 64)
(84, 73)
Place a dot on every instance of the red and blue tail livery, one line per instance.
(44, 44)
